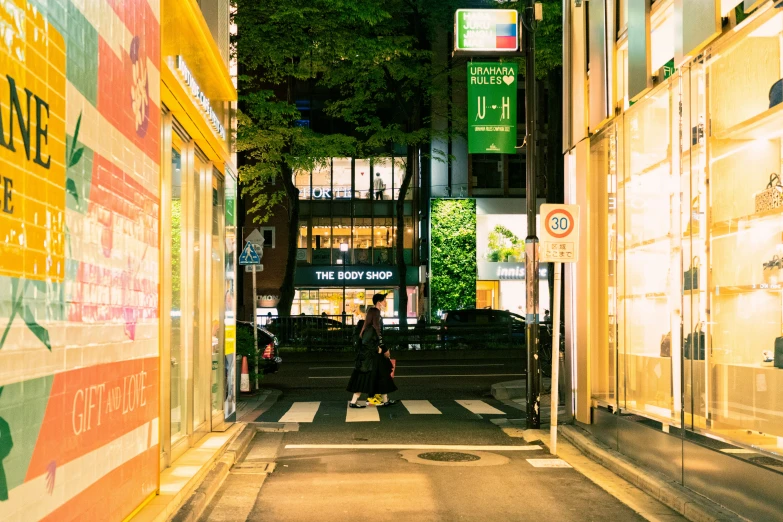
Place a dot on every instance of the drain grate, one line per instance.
(449, 456)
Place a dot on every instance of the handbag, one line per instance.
(779, 352)
(666, 345)
(771, 197)
(776, 93)
(771, 271)
(694, 348)
(691, 276)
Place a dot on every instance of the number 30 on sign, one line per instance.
(559, 233)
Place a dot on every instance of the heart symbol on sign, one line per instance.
(508, 80)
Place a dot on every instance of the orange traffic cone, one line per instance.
(244, 382)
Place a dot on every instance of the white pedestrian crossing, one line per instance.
(479, 407)
(420, 408)
(368, 414)
(306, 412)
(301, 412)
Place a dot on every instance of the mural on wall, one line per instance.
(80, 154)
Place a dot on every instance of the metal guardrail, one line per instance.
(336, 333)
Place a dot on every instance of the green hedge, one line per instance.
(453, 278)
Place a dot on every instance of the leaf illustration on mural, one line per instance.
(6, 445)
(23, 310)
(73, 159)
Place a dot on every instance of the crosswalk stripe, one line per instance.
(420, 408)
(301, 412)
(479, 407)
(368, 414)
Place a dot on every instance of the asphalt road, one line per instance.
(330, 468)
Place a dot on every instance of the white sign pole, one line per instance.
(555, 362)
(559, 244)
(255, 321)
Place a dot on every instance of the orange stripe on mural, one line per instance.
(116, 494)
(91, 407)
(124, 96)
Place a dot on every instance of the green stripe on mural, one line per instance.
(22, 409)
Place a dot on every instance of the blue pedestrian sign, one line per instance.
(249, 256)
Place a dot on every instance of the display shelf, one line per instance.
(767, 125)
(744, 289)
(646, 243)
(648, 295)
(731, 226)
(647, 170)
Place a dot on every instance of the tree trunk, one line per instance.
(287, 289)
(412, 169)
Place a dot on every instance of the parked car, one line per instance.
(310, 331)
(268, 343)
(482, 326)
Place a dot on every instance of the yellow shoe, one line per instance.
(373, 401)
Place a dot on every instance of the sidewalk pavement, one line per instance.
(188, 485)
(650, 494)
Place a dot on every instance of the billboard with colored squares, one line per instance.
(486, 30)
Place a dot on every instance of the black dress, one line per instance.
(363, 376)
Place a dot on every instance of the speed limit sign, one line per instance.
(559, 233)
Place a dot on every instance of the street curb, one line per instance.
(197, 502)
(509, 390)
(271, 397)
(689, 504)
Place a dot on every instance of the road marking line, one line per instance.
(406, 366)
(368, 414)
(301, 412)
(413, 447)
(479, 407)
(420, 408)
(430, 376)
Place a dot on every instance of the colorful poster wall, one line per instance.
(79, 262)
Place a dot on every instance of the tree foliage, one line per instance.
(453, 279)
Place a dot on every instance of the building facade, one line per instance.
(347, 241)
(115, 175)
(673, 314)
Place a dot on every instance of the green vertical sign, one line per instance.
(492, 108)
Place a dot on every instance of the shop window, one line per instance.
(362, 241)
(649, 251)
(363, 180)
(269, 236)
(487, 173)
(322, 182)
(302, 182)
(321, 241)
(301, 245)
(400, 168)
(341, 178)
(341, 238)
(734, 383)
(383, 241)
(662, 38)
(383, 179)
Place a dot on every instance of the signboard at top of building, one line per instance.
(486, 30)
(203, 101)
(492, 108)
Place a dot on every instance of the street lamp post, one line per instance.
(344, 250)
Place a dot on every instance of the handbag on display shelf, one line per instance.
(771, 271)
(771, 197)
(694, 347)
(666, 345)
(776, 91)
(779, 352)
(691, 276)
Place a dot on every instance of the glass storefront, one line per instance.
(690, 178)
(379, 179)
(198, 268)
(355, 301)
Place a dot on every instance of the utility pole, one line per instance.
(528, 16)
